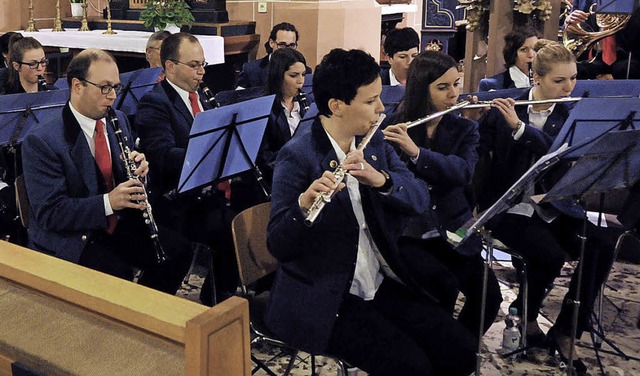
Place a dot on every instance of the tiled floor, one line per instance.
(621, 313)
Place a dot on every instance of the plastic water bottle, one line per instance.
(511, 333)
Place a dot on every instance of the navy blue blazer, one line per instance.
(64, 186)
(509, 159)
(498, 82)
(386, 78)
(164, 122)
(317, 262)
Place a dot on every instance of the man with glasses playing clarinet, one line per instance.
(84, 209)
(254, 73)
(164, 119)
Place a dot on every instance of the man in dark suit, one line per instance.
(164, 120)
(340, 287)
(84, 209)
(254, 73)
(401, 46)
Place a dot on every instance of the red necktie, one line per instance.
(103, 159)
(609, 50)
(195, 108)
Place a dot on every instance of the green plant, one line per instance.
(162, 13)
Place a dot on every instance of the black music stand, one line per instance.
(227, 97)
(224, 142)
(610, 165)
(135, 84)
(391, 97)
(588, 121)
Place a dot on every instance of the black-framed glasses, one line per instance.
(105, 89)
(195, 65)
(287, 45)
(35, 64)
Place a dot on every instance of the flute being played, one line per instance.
(482, 104)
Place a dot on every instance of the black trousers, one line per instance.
(443, 272)
(545, 247)
(130, 246)
(400, 332)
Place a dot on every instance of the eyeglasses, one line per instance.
(35, 64)
(105, 89)
(195, 65)
(284, 44)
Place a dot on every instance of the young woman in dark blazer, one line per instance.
(27, 66)
(443, 153)
(513, 137)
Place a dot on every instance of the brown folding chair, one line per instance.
(254, 262)
(22, 201)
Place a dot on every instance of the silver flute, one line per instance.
(436, 115)
(339, 173)
(527, 102)
(130, 167)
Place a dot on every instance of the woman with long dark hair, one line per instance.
(443, 153)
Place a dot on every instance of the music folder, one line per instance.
(391, 97)
(224, 142)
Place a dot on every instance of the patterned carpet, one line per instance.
(621, 309)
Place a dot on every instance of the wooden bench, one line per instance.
(58, 318)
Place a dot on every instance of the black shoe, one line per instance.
(578, 365)
(538, 340)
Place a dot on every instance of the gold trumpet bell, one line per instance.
(578, 40)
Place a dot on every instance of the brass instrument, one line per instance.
(527, 102)
(210, 98)
(428, 118)
(578, 40)
(340, 173)
(130, 167)
(301, 98)
(42, 83)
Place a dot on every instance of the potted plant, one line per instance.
(76, 8)
(160, 14)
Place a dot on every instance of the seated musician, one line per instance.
(287, 69)
(545, 235)
(254, 73)
(4, 48)
(340, 287)
(518, 55)
(83, 207)
(443, 153)
(28, 64)
(401, 46)
(164, 119)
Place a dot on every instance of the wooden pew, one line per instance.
(60, 318)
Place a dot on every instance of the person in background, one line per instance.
(443, 153)
(84, 209)
(401, 46)
(152, 51)
(254, 73)
(340, 287)
(28, 66)
(518, 56)
(4, 48)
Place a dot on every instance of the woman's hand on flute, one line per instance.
(398, 134)
(364, 173)
(325, 184)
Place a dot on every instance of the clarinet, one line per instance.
(130, 167)
(339, 173)
(210, 97)
(301, 98)
(42, 83)
(530, 74)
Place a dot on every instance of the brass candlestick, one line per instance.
(57, 23)
(32, 23)
(85, 25)
(109, 31)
